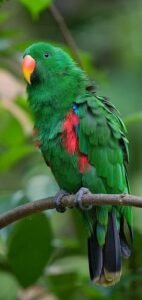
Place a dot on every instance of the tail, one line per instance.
(105, 261)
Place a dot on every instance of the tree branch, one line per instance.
(67, 201)
(54, 12)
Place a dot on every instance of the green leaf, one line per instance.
(36, 6)
(8, 287)
(30, 248)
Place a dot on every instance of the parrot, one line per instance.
(84, 141)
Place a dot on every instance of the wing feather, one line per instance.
(102, 138)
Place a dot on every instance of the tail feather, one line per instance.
(95, 257)
(112, 249)
(105, 261)
(125, 249)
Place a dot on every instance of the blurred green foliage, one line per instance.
(49, 250)
(35, 6)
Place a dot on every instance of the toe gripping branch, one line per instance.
(83, 191)
(57, 201)
(78, 200)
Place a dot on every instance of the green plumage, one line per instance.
(56, 85)
(102, 138)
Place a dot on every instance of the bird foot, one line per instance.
(57, 201)
(83, 191)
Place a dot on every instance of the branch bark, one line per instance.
(54, 12)
(67, 201)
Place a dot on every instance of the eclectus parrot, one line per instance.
(82, 139)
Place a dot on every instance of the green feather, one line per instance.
(101, 233)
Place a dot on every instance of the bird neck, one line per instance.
(56, 97)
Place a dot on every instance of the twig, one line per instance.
(67, 201)
(65, 32)
(133, 118)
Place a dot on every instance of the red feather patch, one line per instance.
(69, 135)
(83, 163)
(70, 140)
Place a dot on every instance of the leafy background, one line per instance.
(44, 256)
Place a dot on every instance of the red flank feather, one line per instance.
(69, 135)
(83, 163)
(70, 140)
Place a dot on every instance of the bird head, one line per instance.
(53, 78)
(41, 61)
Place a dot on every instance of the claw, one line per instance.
(83, 191)
(57, 201)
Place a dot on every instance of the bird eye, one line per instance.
(46, 54)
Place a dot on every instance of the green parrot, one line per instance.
(82, 139)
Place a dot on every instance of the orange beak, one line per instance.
(28, 66)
